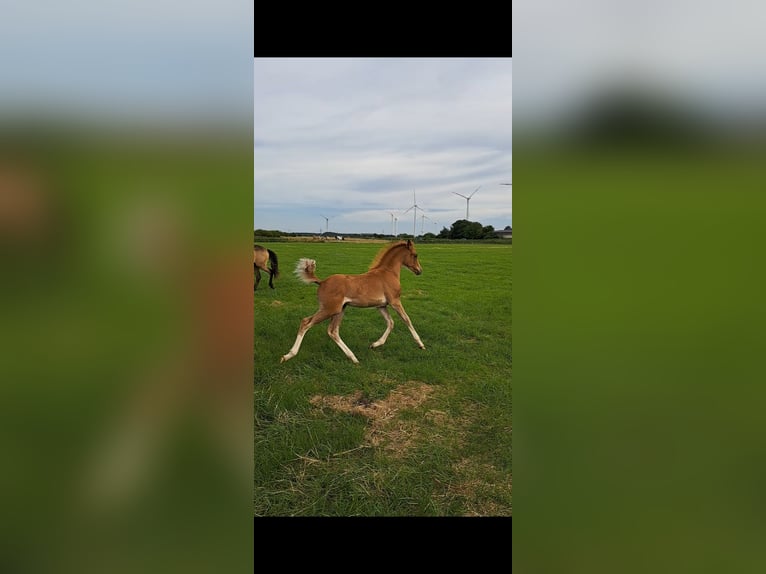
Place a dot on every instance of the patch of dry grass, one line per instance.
(386, 430)
(478, 485)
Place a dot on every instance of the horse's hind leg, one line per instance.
(271, 279)
(389, 326)
(397, 305)
(333, 329)
(257, 277)
(306, 324)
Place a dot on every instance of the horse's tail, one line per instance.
(274, 263)
(305, 270)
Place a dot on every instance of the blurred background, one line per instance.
(126, 318)
(640, 132)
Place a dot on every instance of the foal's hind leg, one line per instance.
(389, 326)
(397, 305)
(306, 324)
(333, 330)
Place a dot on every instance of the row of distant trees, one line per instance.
(271, 233)
(461, 229)
(464, 229)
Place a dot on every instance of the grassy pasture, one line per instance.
(408, 432)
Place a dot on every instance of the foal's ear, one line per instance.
(409, 243)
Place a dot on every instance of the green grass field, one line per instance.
(408, 432)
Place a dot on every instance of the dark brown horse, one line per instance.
(262, 256)
(379, 287)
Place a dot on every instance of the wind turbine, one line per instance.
(423, 218)
(467, 199)
(393, 228)
(414, 207)
(327, 223)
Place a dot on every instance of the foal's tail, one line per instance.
(305, 271)
(274, 263)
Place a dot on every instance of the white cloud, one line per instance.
(357, 136)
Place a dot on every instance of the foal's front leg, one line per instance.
(389, 325)
(397, 305)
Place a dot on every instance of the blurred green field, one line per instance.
(639, 330)
(116, 252)
(407, 432)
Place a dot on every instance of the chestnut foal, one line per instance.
(379, 287)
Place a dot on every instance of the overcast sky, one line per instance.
(707, 53)
(140, 60)
(352, 139)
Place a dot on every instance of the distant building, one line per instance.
(505, 233)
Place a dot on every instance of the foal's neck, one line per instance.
(391, 263)
(390, 260)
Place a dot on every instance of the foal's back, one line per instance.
(371, 289)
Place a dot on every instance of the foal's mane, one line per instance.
(383, 252)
